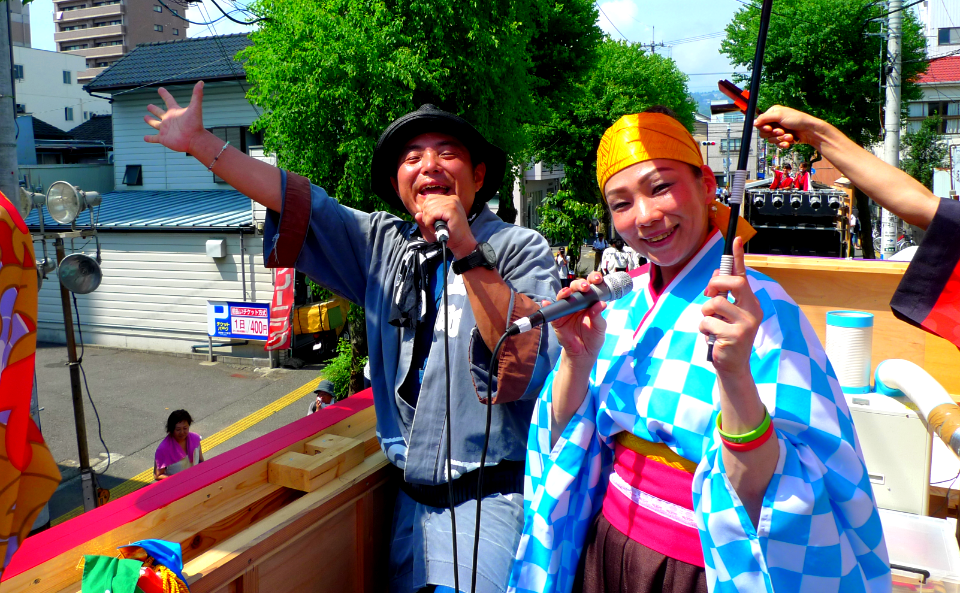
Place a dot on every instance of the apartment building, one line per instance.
(102, 31)
(19, 24)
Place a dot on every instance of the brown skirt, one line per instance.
(613, 563)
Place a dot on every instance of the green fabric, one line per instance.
(103, 574)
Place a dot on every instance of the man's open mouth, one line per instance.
(428, 190)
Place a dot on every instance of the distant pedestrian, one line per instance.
(854, 224)
(599, 246)
(324, 396)
(636, 260)
(563, 267)
(180, 449)
(615, 259)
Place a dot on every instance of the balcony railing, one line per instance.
(90, 33)
(85, 76)
(85, 14)
(107, 51)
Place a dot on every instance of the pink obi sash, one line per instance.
(649, 499)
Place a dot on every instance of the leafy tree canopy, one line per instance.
(626, 79)
(924, 150)
(821, 57)
(332, 74)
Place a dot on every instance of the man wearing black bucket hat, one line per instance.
(436, 166)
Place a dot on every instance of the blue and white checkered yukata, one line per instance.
(819, 529)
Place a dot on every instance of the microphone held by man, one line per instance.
(614, 287)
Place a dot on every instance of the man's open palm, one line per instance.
(178, 126)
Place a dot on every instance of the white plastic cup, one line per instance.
(849, 343)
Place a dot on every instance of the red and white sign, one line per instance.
(280, 308)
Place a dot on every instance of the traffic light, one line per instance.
(707, 143)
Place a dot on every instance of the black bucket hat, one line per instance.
(430, 118)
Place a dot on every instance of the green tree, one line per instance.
(824, 57)
(925, 150)
(625, 79)
(332, 74)
(564, 219)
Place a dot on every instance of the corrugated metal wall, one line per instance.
(155, 289)
(224, 104)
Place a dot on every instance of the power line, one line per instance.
(239, 22)
(696, 38)
(597, 4)
(905, 6)
(229, 60)
(177, 14)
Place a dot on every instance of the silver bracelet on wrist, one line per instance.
(210, 168)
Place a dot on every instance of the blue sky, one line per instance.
(636, 20)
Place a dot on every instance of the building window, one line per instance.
(102, 64)
(73, 28)
(133, 175)
(18, 71)
(158, 28)
(107, 3)
(74, 47)
(734, 145)
(21, 109)
(176, 31)
(67, 77)
(75, 7)
(157, 8)
(109, 43)
(107, 23)
(948, 36)
(68, 113)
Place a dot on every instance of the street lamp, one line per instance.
(77, 273)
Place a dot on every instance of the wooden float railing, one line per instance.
(240, 530)
(819, 285)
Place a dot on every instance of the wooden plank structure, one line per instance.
(308, 507)
(240, 530)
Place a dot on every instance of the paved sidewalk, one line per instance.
(135, 392)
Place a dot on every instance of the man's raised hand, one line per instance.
(177, 126)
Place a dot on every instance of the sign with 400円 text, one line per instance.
(248, 321)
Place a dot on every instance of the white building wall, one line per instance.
(155, 290)
(45, 95)
(224, 104)
(936, 15)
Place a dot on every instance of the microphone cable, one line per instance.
(483, 455)
(442, 238)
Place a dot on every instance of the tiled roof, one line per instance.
(174, 62)
(98, 128)
(945, 69)
(163, 210)
(44, 131)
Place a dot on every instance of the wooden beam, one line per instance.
(327, 457)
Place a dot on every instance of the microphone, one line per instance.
(615, 286)
(442, 231)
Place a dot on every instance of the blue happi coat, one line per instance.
(819, 528)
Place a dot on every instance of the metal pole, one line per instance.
(891, 120)
(726, 160)
(87, 479)
(9, 174)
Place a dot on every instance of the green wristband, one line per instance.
(753, 435)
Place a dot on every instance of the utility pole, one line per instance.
(891, 120)
(9, 175)
(726, 160)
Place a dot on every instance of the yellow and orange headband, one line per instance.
(640, 137)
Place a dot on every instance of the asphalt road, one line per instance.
(135, 392)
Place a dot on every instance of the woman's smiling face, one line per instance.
(660, 208)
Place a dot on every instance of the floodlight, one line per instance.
(815, 201)
(796, 200)
(28, 201)
(759, 200)
(833, 202)
(80, 273)
(777, 200)
(65, 201)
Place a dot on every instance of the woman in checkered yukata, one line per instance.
(650, 468)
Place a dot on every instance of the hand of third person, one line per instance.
(449, 209)
(785, 127)
(733, 324)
